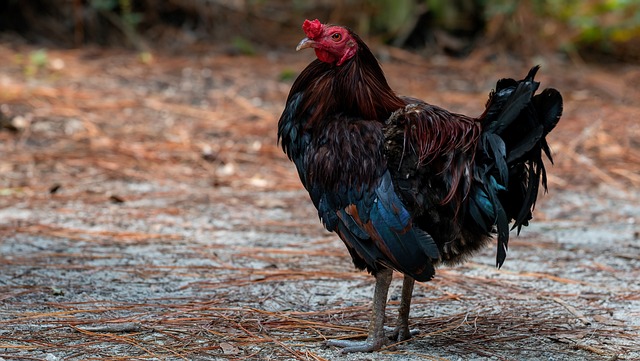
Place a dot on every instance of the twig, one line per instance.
(114, 327)
(593, 349)
(572, 310)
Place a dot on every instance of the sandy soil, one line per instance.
(146, 213)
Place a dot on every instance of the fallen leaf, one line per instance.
(229, 349)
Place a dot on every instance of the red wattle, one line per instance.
(325, 56)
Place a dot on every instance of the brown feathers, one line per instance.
(395, 176)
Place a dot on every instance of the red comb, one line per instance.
(312, 28)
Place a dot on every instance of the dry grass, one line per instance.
(147, 213)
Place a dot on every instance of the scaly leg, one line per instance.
(376, 338)
(402, 331)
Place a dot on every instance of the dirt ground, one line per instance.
(146, 213)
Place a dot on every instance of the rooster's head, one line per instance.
(333, 44)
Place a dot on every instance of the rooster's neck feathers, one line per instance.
(357, 88)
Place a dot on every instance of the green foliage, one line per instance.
(128, 17)
(120, 13)
(570, 24)
(391, 16)
(104, 5)
(146, 57)
(499, 7)
(588, 22)
(243, 46)
(37, 60)
(459, 14)
(605, 20)
(287, 75)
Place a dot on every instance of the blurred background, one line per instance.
(593, 30)
(147, 210)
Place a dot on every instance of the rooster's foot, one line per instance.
(368, 345)
(400, 334)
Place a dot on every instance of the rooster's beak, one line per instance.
(305, 43)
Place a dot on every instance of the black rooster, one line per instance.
(407, 185)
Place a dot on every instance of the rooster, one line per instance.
(406, 185)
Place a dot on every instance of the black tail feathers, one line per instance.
(548, 105)
(515, 124)
(521, 118)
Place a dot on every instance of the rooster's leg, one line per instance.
(402, 331)
(376, 338)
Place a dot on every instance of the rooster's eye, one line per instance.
(336, 36)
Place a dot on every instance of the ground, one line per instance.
(147, 213)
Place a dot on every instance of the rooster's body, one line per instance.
(407, 185)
